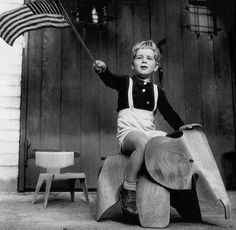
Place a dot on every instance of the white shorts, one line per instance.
(132, 119)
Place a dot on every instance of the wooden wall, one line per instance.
(10, 91)
(66, 106)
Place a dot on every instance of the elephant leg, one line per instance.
(186, 203)
(153, 202)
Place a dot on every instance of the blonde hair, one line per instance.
(148, 44)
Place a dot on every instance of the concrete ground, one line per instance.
(17, 213)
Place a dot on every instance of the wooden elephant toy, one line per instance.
(179, 171)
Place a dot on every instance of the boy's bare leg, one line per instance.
(134, 144)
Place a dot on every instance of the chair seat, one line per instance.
(65, 176)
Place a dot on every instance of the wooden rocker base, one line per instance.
(50, 177)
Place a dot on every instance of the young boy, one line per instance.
(138, 100)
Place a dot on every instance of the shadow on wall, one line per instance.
(229, 165)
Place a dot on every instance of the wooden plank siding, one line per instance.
(89, 110)
(192, 79)
(108, 97)
(69, 108)
(224, 70)
(70, 94)
(10, 92)
(158, 33)
(33, 102)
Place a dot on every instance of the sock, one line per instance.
(130, 185)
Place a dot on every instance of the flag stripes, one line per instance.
(43, 7)
(31, 16)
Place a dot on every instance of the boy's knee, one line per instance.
(139, 150)
(141, 145)
(135, 141)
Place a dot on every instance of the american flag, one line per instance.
(31, 16)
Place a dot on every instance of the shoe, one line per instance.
(128, 200)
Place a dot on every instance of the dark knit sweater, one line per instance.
(143, 96)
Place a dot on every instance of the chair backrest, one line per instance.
(54, 161)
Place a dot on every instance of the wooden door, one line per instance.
(65, 106)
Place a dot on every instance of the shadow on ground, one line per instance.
(18, 213)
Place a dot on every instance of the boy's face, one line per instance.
(144, 63)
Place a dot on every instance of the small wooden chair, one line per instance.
(54, 161)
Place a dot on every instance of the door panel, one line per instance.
(64, 98)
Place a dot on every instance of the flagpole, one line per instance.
(76, 32)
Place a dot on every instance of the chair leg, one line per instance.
(72, 187)
(153, 202)
(38, 186)
(48, 179)
(85, 188)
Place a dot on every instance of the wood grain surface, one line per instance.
(173, 161)
(109, 180)
(168, 162)
(153, 202)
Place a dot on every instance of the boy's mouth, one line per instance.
(143, 67)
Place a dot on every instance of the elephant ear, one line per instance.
(173, 160)
(168, 161)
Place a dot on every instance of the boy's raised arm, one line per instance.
(111, 80)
